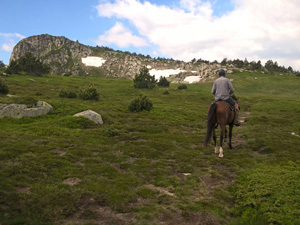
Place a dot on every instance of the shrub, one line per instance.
(2, 65)
(163, 82)
(66, 94)
(89, 93)
(3, 87)
(27, 63)
(263, 194)
(144, 79)
(140, 103)
(182, 86)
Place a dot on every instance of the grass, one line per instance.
(149, 167)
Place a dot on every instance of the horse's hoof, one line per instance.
(216, 150)
(221, 152)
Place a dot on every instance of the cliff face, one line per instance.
(60, 53)
(65, 58)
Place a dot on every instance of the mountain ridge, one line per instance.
(65, 57)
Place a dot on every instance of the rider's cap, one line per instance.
(222, 72)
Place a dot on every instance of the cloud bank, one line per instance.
(9, 40)
(256, 30)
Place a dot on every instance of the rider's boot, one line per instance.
(236, 115)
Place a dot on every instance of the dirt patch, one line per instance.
(162, 190)
(58, 151)
(79, 163)
(21, 189)
(91, 212)
(95, 153)
(71, 181)
(186, 218)
(117, 166)
(242, 118)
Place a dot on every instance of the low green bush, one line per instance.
(182, 86)
(140, 103)
(3, 87)
(67, 94)
(89, 93)
(269, 193)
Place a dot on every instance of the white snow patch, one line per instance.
(164, 73)
(93, 61)
(149, 67)
(192, 79)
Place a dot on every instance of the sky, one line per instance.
(180, 29)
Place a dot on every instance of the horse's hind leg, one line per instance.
(230, 136)
(215, 141)
(223, 131)
(225, 138)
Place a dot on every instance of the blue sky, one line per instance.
(182, 29)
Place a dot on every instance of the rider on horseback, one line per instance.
(222, 89)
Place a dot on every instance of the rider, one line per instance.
(222, 89)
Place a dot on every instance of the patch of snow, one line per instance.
(164, 73)
(149, 67)
(192, 79)
(93, 61)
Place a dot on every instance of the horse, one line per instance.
(219, 113)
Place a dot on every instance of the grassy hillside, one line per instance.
(150, 167)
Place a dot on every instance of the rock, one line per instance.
(19, 111)
(91, 115)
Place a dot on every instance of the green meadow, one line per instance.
(150, 167)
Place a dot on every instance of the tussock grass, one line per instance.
(125, 168)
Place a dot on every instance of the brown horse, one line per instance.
(219, 113)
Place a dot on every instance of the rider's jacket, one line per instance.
(222, 88)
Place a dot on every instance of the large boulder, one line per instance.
(19, 111)
(91, 115)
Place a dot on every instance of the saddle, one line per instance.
(231, 107)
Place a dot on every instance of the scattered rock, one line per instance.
(5, 74)
(11, 96)
(71, 181)
(58, 152)
(91, 115)
(19, 111)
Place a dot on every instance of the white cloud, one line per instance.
(12, 35)
(8, 47)
(8, 40)
(254, 29)
(121, 36)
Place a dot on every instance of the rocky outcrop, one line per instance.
(61, 54)
(91, 115)
(19, 111)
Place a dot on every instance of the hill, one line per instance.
(149, 167)
(66, 57)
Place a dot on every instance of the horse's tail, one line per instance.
(210, 125)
